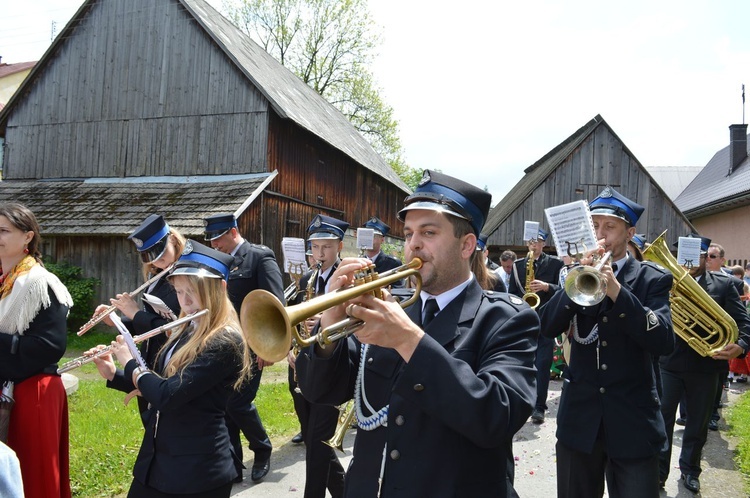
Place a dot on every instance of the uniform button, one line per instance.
(602, 390)
(369, 361)
(400, 420)
(567, 307)
(622, 315)
(604, 319)
(604, 344)
(604, 366)
(418, 387)
(395, 455)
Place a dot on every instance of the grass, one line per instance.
(739, 422)
(105, 435)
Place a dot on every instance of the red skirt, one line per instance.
(739, 366)
(38, 434)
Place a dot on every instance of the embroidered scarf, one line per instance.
(23, 293)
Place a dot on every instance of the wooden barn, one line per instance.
(163, 106)
(717, 201)
(578, 169)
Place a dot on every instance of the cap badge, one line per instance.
(138, 242)
(188, 248)
(607, 192)
(425, 179)
(317, 223)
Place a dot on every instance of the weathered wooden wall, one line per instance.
(600, 160)
(142, 92)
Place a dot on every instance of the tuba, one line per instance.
(269, 327)
(531, 298)
(696, 317)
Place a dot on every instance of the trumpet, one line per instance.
(101, 316)
(269, 327)
(82, 360)
(585, 285)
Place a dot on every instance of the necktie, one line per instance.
(321, 286)
(430, 310)
(614, 268)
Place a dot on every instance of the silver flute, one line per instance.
(82, 360)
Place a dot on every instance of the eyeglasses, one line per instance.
(713, 256)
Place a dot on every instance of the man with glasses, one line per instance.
(254, 267)
(546, 281)
(684, 370)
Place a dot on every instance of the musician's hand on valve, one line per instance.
(104, 363)
(386, 324)
(343, 277)
(126, 304)
(728, 352)
(121, 351)
(613, 286)
(537, 286)
(101, 309)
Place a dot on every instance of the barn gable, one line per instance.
(579, 168)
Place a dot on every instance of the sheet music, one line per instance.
(365, 238)
(294, 254)
(159, 306)
(688, 251)
(571, 223)
(530, 230)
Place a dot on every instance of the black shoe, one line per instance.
(537, 416)
(297, 439)
(713, 425)
(691, 483)
(680, 421)
(260, 469)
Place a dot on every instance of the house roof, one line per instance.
(8, 69)
(536, 174)
(713, 190)
(289, 96)
(673, 179)
(115, 207)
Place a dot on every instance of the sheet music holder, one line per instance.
(572, 227)
(294, 254)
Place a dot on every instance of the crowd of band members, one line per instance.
(468, 380)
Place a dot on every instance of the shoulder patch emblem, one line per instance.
(651, 320)
(516, 300)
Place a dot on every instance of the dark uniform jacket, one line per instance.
(186, 446)
(385, 262)
(305, 281)
(454, 408)
(722, 289)
(546, 268)
(254, 267)
(610, 382)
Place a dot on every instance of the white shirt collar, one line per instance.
(446, 297)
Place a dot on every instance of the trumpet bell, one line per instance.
(266, 325)
(585, 286)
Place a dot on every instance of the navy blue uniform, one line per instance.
(467, 389)
(685, 371)
(609, 404)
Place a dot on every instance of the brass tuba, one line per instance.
(531, 298)
(696, 317)
(269, 327)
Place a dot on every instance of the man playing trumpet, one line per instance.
(609, 419)
(438, 397)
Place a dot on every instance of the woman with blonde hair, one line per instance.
(34, 307)
(186, 449)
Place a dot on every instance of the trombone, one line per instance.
(82, 360)
(269, 327)
(109, 309)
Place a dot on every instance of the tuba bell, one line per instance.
(696, 317)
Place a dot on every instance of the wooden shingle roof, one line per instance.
(115, 207)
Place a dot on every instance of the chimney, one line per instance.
(737, 145)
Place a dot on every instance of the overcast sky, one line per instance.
(483, 89)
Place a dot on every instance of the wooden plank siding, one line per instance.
(116, 104)
(601, 159)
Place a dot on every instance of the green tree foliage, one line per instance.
(329, 44)
(81, 290)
